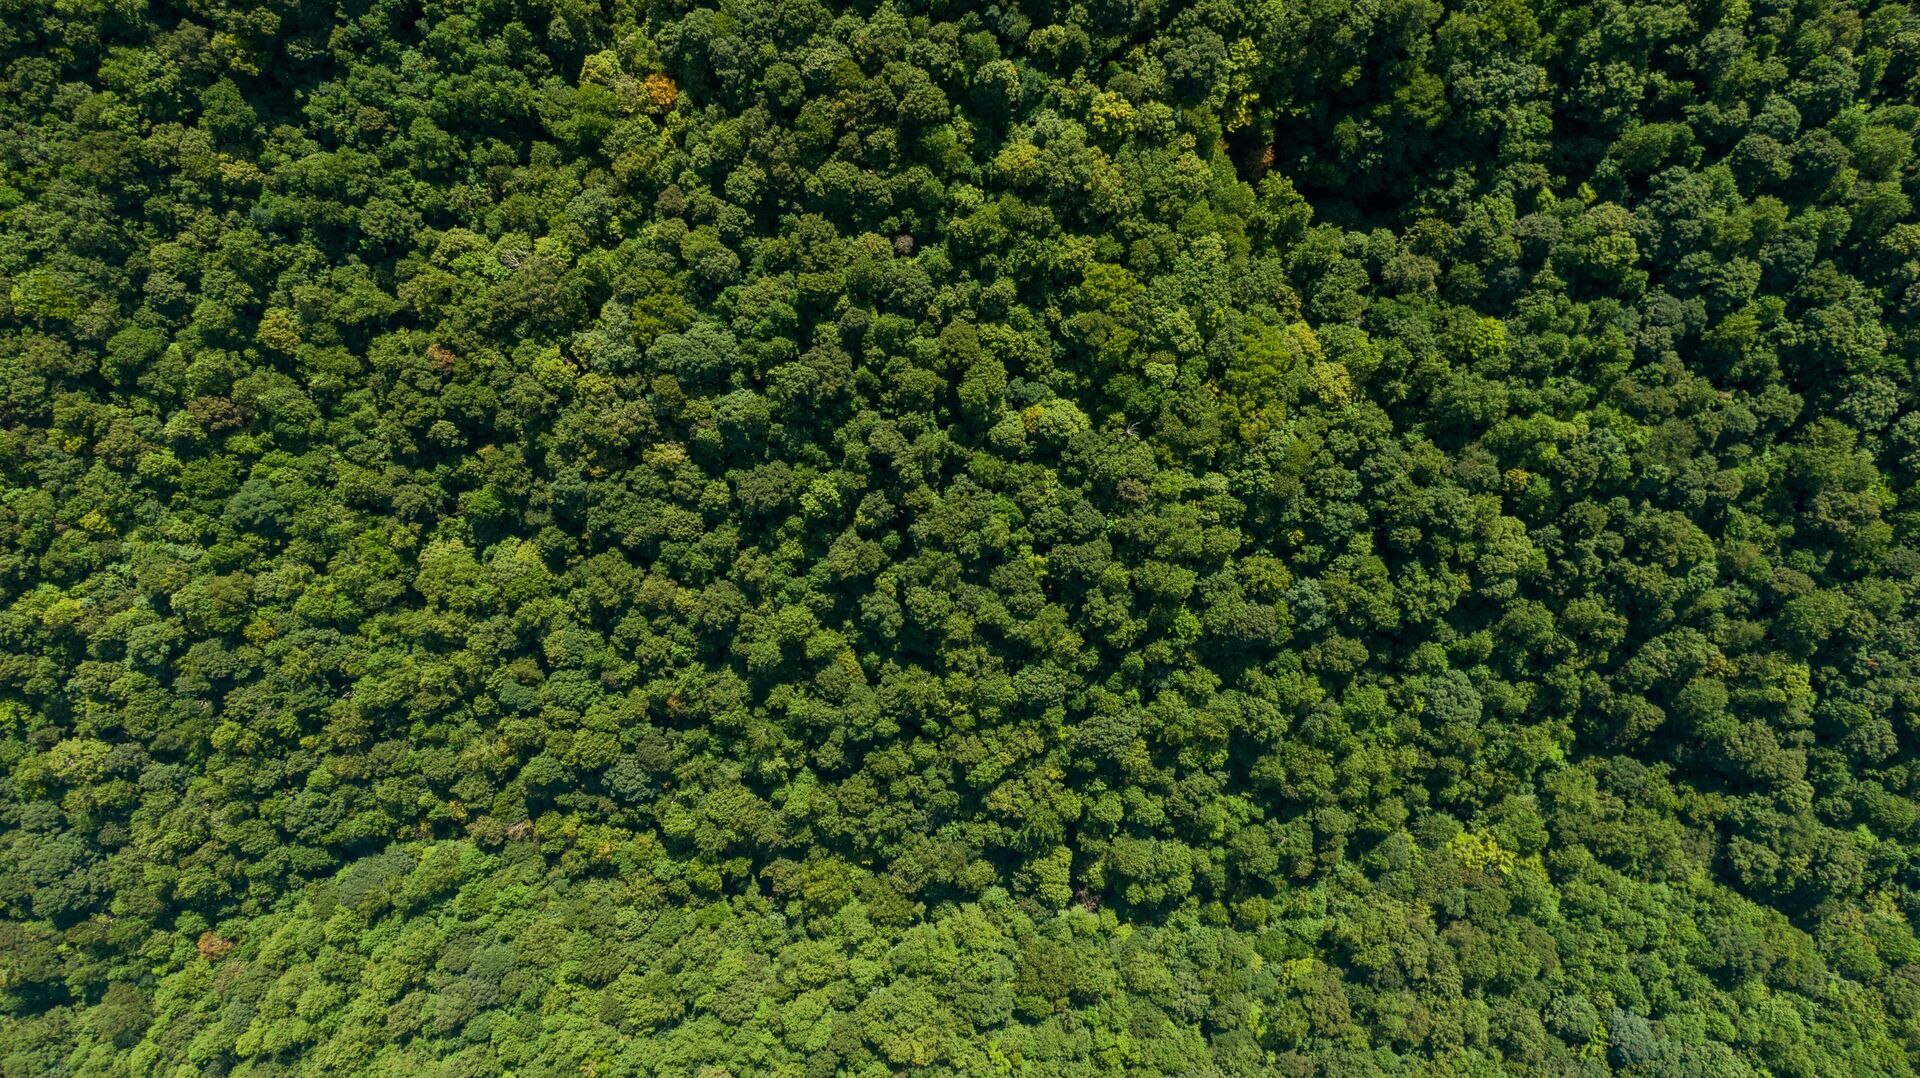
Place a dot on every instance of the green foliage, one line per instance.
(1219, 538)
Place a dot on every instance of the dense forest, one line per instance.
(1233, 537)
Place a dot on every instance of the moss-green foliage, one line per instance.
(550, 538)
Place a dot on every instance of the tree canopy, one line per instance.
(1229, 537)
